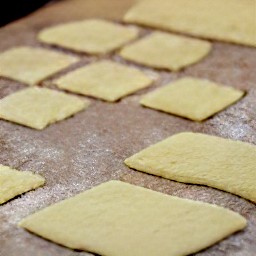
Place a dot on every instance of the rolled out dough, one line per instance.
(38, 107)
(202, 159)
(166, 51)
(116, 218)
(229, 20)
(93, 36)
(31, 65)
(13, 182)
(196, 99)
(106, 80)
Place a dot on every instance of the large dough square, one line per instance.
(106, 80)
(202, 159)
(166, 51)
(196, 99)
(38, 107)
(91, 36)
(13, 182)
(31, 65)
(229, 20)
(117, 218)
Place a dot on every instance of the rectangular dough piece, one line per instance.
(166, 51)
(229, 20)
(92, 36)
(104, 79)
(14, 183)
(196, 99)
(38, 107)
(202, 159)
(116, 218)
(31, 65)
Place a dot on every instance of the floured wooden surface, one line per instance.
(100, 138)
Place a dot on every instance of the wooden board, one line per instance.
(89, 148)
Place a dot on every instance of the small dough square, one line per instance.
(229, 20)
(92, 36)
(14, 183)
(166, 51)
(32, 65)
(106, 80)
(116, 218)
(202, 159)
(196, 99)
(38, 107)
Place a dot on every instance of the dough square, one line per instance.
(196, 99)
(31, 65)
(229, 20)
(13, 182)
(202, 159)
(166, 51)
(116, 218)
(92, 36)
(106, 80)
(38, 107)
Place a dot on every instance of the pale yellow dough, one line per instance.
(13, 182)
(106, 80)
(229, 20)
(92, 36)
(166, 51)
(202, 159)
(196, 99)
(31, 65)
(38, 107)
(116, 218)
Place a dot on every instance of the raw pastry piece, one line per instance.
(196, 99)
(229, 20)
(106, 80)
(116, 218)
(92, 36)
(31, 65)
(202, 159)
(13, 182)
(38, 107)
(162, 50)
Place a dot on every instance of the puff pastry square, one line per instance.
(106, 80)
(92, 36)
(202, 159)
(38, 107)
(14, 183)
(31, 65)
(166, 51)
(116, 218)
(229, 20)
(196, 99)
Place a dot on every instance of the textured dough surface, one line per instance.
(106, 80)
(163, 50)
(196, 99)
(92, 36)
(116, 218)
(31, 65)
(202, 159)
(38, 107)
(13, 182)
(229, 20)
